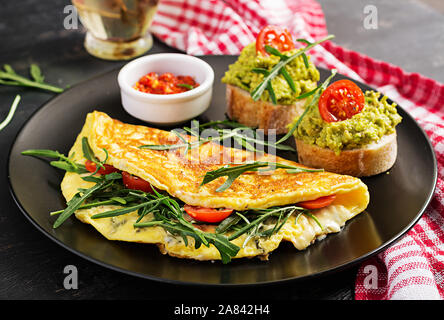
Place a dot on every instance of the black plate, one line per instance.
(397, 198)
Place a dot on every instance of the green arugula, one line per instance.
(169, 215)
(63, 162)
(76, 202)
(9, 77)
(232, 172)
(311, 104)
(240, 137)
(11, 113)
(279, 68)
(185, 85)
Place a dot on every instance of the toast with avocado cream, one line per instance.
(363, 145)
(241, 80)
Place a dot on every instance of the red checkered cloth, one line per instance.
(413, 268)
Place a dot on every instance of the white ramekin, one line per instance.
(166, 109)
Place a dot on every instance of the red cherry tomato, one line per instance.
(340, 101)
(136, 183)
(91, 167)
(275, 37)
(207, 214)
(317, 203)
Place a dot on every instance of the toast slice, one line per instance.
(260, 114)
(372, 159)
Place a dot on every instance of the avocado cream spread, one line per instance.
(240, 74)
(377, 118)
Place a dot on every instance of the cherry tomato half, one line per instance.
(340, 101)
(91, 167)
(136, 183)
(207, 214)
(317, 203)
(275, 37)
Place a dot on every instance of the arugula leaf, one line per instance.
(89, 155)
(264, 85)
(229, 123)
(9, 69)
(68, 167)
(87, 151)
(167, 212)
(9, 77)
(76, 202)
(227, 223)
(64, 162)
(36, 73)
(288, 78)
(274, 51)
(315, 219)
(111, 201)
(11, 113)
(233, 172)
(121, 211)
(243, 139)
(304, 41)
(271, 93)
(170, 217)
(226, 249)
(312, 103)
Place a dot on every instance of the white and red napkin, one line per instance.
(413, 268)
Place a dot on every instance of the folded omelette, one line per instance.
(180, 175)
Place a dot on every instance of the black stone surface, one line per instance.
(410, 34)
(31, 266)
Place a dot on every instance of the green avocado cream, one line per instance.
(240, 75)
(377, 118)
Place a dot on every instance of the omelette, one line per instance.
(178, 174)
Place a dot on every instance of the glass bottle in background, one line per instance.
(117, 29)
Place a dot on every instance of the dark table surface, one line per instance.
(31, 265)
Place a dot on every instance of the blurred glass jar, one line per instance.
(117, 29)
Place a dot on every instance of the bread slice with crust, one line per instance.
(260, 114)
(369, 160)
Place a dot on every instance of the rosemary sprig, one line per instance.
(10, 113)
(284, 60)
(10, 78)
(233, 172)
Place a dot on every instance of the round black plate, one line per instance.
(397, 198)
